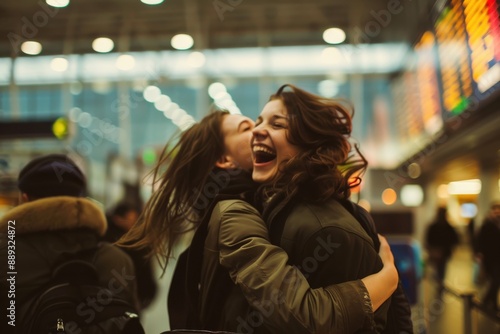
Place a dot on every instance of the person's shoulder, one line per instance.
(308, 219)
(110, 253)
(234, 206)
(326, 214)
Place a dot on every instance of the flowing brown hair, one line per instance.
(179, 175)
(327, 166)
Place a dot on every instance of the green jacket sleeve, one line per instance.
(280, 292)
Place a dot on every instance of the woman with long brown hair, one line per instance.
(303, 158)
(232, 277)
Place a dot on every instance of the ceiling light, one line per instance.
(389, 196)
(182, 42)
(215, 89)
(196, 59)
(151, 93)
(74, 114)
(152, 2)
(125, 62)
(412, 195)
(466, 187)
(334, 36)
(57, 3)
(442, 191)
(103, 44)
(414, 170)
(59, 64)
(331, 55)
(328, 88)
(162, 102)
(31, 47)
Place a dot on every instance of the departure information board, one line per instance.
(456, 76)
(454, 67)
(483, 28)
(427, 83)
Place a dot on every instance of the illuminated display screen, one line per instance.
(427, 83)
(468, 42)
(456, 76)
(483, 27)
(455, 66)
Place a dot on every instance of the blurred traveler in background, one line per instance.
(487, 247)
(121, 219)
(440, 241)
(55, 223)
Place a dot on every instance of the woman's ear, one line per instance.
(225, 162)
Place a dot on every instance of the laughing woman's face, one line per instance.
(270, 145)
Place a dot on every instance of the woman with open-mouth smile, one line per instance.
(303, 158)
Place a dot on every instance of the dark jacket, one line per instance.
(440, 239)
(146, 282)
(50, 230)
(487, 244)
(330, 246)
(245, 284)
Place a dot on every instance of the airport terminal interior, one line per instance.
(111, 83)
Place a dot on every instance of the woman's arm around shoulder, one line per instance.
(280, 291)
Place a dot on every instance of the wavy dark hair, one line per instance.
(328, 166)
(179, 175)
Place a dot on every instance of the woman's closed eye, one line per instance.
(279, 126)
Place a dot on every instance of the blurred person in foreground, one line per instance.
(54, 223)
(487, 247)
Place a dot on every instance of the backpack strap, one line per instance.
(76, 268)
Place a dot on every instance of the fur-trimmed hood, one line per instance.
(56, 213)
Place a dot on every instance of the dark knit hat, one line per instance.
(52, 175)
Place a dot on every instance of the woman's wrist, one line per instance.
(390, 274)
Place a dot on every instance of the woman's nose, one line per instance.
(258, 131)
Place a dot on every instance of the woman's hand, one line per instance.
(381, 285)
(391, 273)
(385, 251)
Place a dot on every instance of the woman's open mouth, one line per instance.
(263, 154)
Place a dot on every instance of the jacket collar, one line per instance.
(56, 213)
